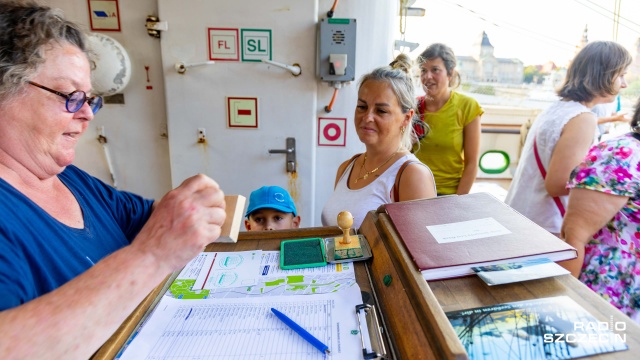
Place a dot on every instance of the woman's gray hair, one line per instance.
(26, 29)
(398, 76)
(594, 70)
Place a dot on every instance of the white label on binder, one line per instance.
(467, 230)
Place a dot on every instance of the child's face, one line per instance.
(271, 219)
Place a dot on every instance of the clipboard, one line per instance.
(366, 318)
(377, 350)
(165, 287)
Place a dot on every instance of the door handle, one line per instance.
(290, 151)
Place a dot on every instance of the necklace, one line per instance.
(366, 174)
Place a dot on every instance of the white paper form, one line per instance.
(270, 266)
(275, 281)
(193, 268)
(228, 269)
(245, 328)
(467, 230)
(271, 280)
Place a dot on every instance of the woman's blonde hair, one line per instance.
(398, 75)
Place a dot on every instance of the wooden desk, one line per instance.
(410, 309)
(431, 299)
(264, 240)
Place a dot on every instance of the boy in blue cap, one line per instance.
(271, 208)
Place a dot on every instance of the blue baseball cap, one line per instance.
(271, 197)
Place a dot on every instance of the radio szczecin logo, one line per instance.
(600, 332)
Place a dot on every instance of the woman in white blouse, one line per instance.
(561, 135)
(383, 119)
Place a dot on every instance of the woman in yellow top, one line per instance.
(452, 147)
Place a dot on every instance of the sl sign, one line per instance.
(256, 44)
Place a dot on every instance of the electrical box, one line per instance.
(337, 50)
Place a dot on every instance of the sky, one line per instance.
(534, 31)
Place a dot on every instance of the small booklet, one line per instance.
(545, 328)
(519, 271)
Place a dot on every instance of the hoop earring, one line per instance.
(402, 130)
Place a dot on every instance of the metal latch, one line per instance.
(291, 154)
(154, 26)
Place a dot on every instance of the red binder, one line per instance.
(446, 236)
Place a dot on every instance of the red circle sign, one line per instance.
(333, 137)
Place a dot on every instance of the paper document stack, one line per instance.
(219, 307)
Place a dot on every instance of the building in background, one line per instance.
(483, 66)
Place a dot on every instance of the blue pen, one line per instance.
(302, 332)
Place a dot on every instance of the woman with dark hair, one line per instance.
(603, 220)
(451, 149)
(562, 134)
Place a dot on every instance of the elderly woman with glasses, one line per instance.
(76, 255)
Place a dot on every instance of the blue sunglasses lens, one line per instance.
(95, 102)
(76, 100)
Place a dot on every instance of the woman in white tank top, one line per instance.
(564, 132)
(383, 123)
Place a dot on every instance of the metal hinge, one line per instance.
(155, 26)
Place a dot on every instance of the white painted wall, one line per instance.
(238, 158)
(377, 27)
(137, 131)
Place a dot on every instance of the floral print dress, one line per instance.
(611, 263)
